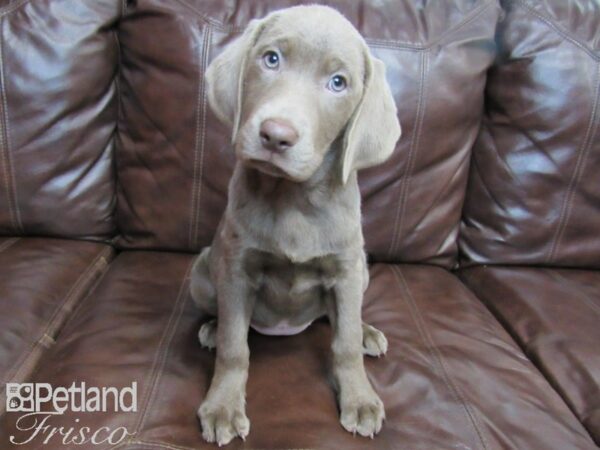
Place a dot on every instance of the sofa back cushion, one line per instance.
(174, 159)
(534, 189)
(58, 107)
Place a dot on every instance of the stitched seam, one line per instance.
(470, 16)
(588, 302)
(4, 144)
(196, 140)
(163, 350)
(24, 372)
(200, 140)
(13, 7)
(392, 44)
(3, 147)
(210, 20)
(579, 168)
(558, 29)
(154, 444)
(577, 293)
(408, 161)
(414, 144)
(99, 268)
(8, 244)
(119, 445)
(373, 43)
(436, 354)
(83, 301)
(203, 137)
(158, 444)
(27, 365)
(11, 171)
(76, 310)
(115, 135)
(79, 284)
(26, 369)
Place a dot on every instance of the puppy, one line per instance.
(308, 106)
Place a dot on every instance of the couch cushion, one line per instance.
(41, 281)
(58, 108)
(554, 315)
(174, 160)
(534, 196)
(452, 378)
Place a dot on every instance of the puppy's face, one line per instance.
(292, 84)
(301, 85)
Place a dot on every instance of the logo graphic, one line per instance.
(40, 402)
(19, 397)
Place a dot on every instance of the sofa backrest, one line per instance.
(58, 107)
(174, 159)
(534, 188)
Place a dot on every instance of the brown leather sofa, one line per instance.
(483, 229)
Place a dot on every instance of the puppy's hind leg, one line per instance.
(202, 290)
(207, 334)
(205, 297)
(374, 341)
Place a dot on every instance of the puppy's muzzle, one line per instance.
(277, 135)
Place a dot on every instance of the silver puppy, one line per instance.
(309, 106)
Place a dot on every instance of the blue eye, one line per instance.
(271, 59)
(337, 83)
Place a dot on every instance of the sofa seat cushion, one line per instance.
(41, 281)
(452, 378)
(554, 314)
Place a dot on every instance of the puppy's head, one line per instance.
(296, 81)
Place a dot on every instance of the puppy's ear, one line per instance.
(373, 129)
(225, 76)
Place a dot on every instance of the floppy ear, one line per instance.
(225, 76)
(373, 129)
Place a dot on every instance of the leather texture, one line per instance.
(105, 130)
(174, 158)
(533, 194)
(58, 110)
(41, 282)
(452, 377)
(553, 314)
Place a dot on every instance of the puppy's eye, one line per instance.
(271, 59)
(337, 83)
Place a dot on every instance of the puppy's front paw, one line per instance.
(364, 415)
(223, 422)
(374, 341)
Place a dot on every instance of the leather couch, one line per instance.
(483, 229)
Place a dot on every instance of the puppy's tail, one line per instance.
(202, 289)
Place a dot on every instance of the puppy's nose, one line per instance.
(277, 135)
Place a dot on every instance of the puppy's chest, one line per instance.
(299, 235)
(278, 277)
